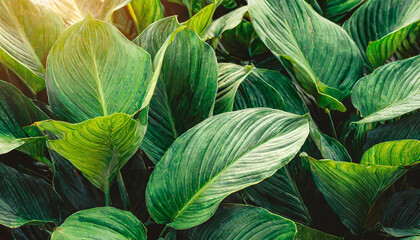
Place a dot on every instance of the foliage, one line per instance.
(210, 119)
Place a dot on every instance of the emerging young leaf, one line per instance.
(389, 92)
(226, 22)
(28, 32)
(145, 12)
(202, 20)
(106, 223)
(380, 27)
(219, 156)
(319, 54)
(26, 200)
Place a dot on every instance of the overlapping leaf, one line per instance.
(145, 12)
(226, 22)
(106, 223)
(219, 156)
(393, 153)
(389, 92)
(202, 20)
(27, 33)
(321, 56)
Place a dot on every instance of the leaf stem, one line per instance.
(123, 192)
(107, 200)
(331, 122)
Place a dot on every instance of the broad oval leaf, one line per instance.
(26, 200)
(359, 186)
(389, 92)
(394, 153)
(221, 155)
(99, 147)
(379, 27)
(93, 70)
(106, 223)
(184, 94)
(28, 32)
(319, 54)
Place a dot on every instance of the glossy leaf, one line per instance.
(230, 151)
(394, 153)
(389, 92)
(99, 147)
(145, 12)
(226, 22)
(26, 200)
(359, 187)
(106, 223)
(379, 27)
(16, 112)
(319, 54)
(28, 32)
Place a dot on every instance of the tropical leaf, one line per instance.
(73, 11)
(359, 186)
(145, 12)
(27, 34)
(26, 200)
(389, 92)
(236, 221)
(202, 20)
(104, 144)
(185, 92)
(336, 10)
(226, 22)
(16, 112)
(394, 153)
(401, 217)
(106, 223)
(230, 151)
(319, 54)
(380, 27)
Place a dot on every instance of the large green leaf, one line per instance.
(401, 217)
(145, 12)
(350, 188)
(185, 92)
(106, 223)
(319, 54)
(99, 147)
(73, 11)
(28, 32)
(202, 20)
(394, 153)
(221, 155)
(336, 10)
(389, 92)
(237, 222)
(16, 112)
(226, 22)
(379, 27)
(26, 200)
(93, 70)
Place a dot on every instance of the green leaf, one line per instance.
(26, 200)
(145, 12)
(350, 188)
(236, 221)
(336, 10)
(237, 41)
(16, 112)
(185, 92)
(99, 147)
(106, 223)
(73, 11)
(401, 217)
(202, 20)
(379, 27)
(92, 68)
(230, 151)
(28, 32)
(319, 54)
(394, 153)
(226, 22)
(389, 92)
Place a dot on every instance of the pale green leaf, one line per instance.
(145, 12)
(226, 22)
(395, 153)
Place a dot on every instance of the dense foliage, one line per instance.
(207, 119)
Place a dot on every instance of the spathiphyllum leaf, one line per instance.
(105, 223)
(359, 186)
(185, 92)
(335, 10)
(394, 153)
(99, 147)
(219, 156)
(16, 112)
(380, 27)
(226, 22)
(401, 217)
(237, 222)
(27, 33)
(73, 11)
(201, 21)
(389, 92)
(93, 70)
(318, 53)
(145, 12)
(26, 200)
